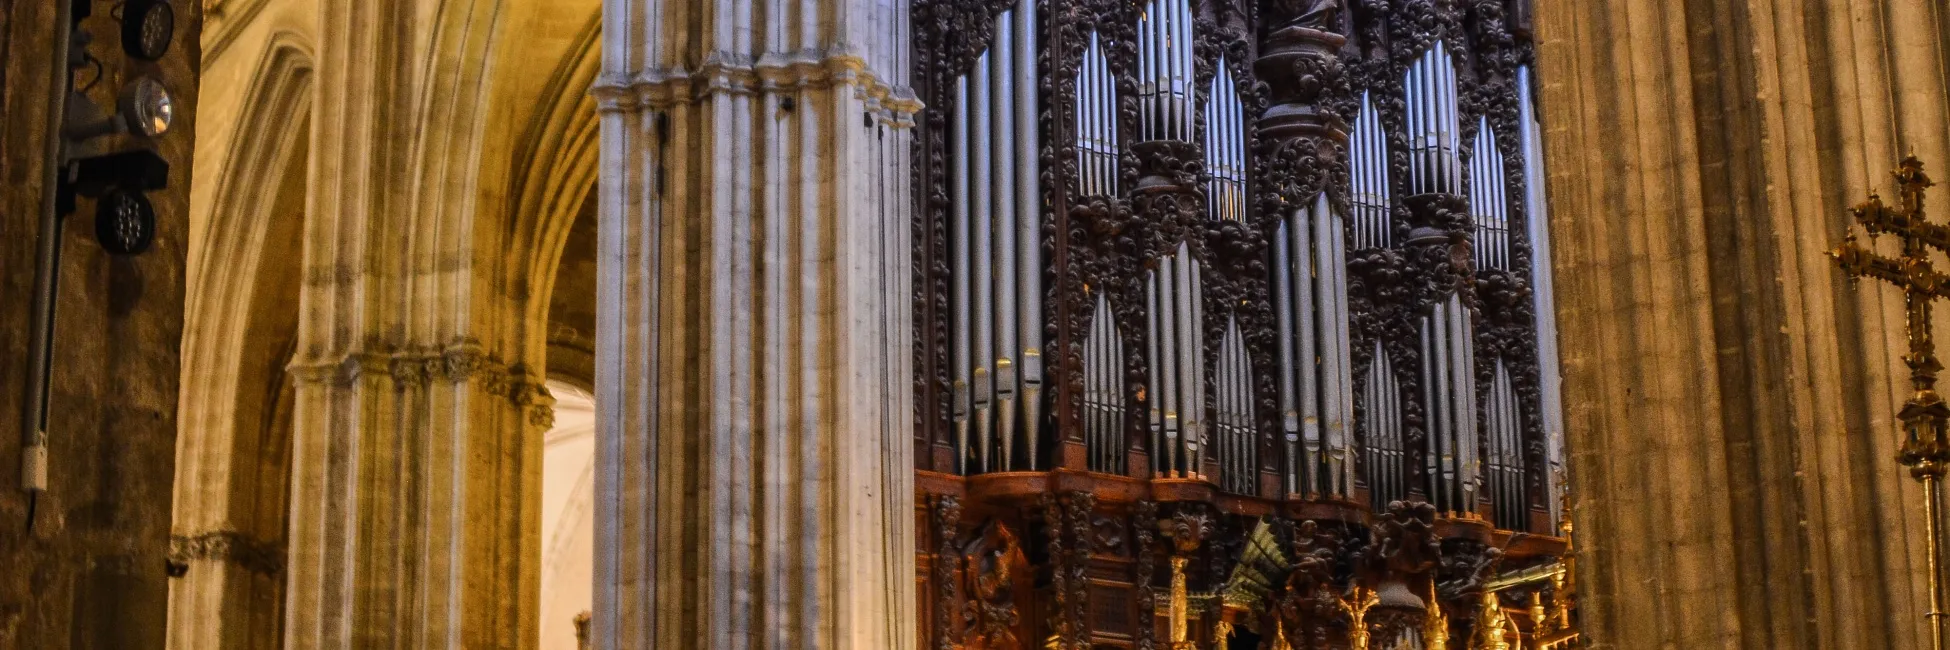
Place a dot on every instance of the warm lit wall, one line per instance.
(92, 573)
(1729, 398)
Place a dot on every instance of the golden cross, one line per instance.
(1925, 448)
(1912, 272)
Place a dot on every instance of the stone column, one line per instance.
(1730, 398)
(416, 453)
(754, 482)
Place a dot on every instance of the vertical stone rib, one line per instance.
(782, 500)
(1736, 178)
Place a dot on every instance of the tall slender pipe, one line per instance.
(1081, 108)
(1433, 451)
(1342, 352)
(1307, 317)
(1445, 407)
(1154, 391)
(1453, 122)
(1183, 46)
(1167, 342)
(1412, 91)
(1333, 420)
(962, 240)
(984, 255)
(1029, 237)
(1199, 371)
(1111, 121)
(1147, 66)
(1092, 99)
(1189, 386)
(1003, 113)
(1283, 299)
(47, 267)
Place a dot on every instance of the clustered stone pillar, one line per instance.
(754, 482)
(1730, 400)
(416, 452)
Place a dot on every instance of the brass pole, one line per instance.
(1932, 513)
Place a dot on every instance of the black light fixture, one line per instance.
(147, 28)
(125, 222)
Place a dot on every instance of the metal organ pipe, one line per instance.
(1190, 386)
(983, 235)
(1463, 396)
(995, 244)
(1487, 201)
(1283, 303)
(1234, 422)
(1104, 391)
(1370, 168)
(1385, 451)
(963, 369)
(1225, 148)
(1029, 237)
(1335, 402)
(1202, 421)
(1307, 310)
(1147, 67)
(1344, 368)
(1550, 398)
(1003, 112)
(1155, 393)
(1167, 343)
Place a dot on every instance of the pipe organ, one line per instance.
(1367, 163)
(1311, 274)
(1176, 306)
(1232, 421)
(997, 252)
(1385, 453)
(1103, 391)
(1215, 309)
(1487, 203)
(1225, 149)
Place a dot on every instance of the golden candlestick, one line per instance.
(1925, 450)
(1356, 605)
(1180, 607)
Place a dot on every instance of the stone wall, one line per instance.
(92, 572)
(1729, 396)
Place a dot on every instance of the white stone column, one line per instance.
(754, 482)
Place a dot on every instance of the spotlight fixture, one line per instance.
(147, 28)
(125, 222)
(143, 107)
(146, 107)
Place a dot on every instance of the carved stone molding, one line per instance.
(465, 362)
(227, 546)
(726, 73)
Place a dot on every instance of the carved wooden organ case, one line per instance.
(1227, 319)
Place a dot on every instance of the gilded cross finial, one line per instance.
(1925, 447)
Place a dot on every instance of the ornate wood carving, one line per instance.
(1069, 515)
(1402, 552)
(947, 520)
(994, 560)
(1144, 519)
